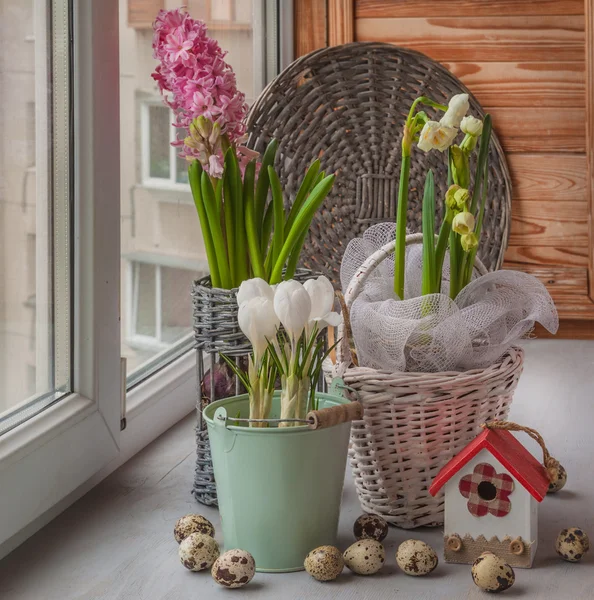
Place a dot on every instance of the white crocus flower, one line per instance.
(472, 126)
(463, 223)
(259, 323)
(292, 306)
(253, 288)
(457, 108)
(321, 293)
(436, 136)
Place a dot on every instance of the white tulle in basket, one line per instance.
(434, 333)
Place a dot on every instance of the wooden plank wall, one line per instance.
(525, 62)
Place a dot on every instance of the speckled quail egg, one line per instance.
(234, 568)
(365, 557)
(416, 558)
(198, 551)
(572, 544)
(370, 527)
(324, 563)
(554, 487)
(192, 524)
(491, 573)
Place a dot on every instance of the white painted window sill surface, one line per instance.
(117, 542)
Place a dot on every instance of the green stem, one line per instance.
(428, 216)
(400, 249)
(454, 265)
(230, 217)
(214, 222)
(440, 249)
(194, 173)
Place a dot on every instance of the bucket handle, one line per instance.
(315, 419)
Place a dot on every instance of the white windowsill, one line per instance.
(152, 407)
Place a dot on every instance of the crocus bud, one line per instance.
(469, 241)
(461, 197)
(258, 321)
(436, 136)
(321, 293)
(253, 288)
(292, 306)
(457, 108)
(463, 223)
(471, 125)
(450, 198)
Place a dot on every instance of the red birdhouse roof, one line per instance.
(509, 452)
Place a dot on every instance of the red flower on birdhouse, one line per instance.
(487, 491)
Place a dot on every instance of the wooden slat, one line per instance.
(573, 329)
(549, 224)
(589, 19)
(310, 26)
(555, 177)
(341, 25)
(540, 129)
(477, 8)
(548, 84)
(470, 39)
(559, 280)
(547, 255)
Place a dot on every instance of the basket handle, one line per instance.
(334, 415)
(356, 285)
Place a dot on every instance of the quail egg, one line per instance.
(234, 568)
(365, 557)
(491, 573)
(416, 558)
(370, 527)
(572, 544)
(198, 551)
(560, 483)
(192, 524)
(324, 563)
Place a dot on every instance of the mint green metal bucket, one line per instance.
(279, 489)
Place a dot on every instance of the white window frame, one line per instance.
(145, 152)
(52, 459)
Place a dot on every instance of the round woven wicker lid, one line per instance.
(346, 105)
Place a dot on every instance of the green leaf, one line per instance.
(302, 222)
(295, 254)
(428, 216)
(401, 210)
(214, 222)
(194, 174)
(278, 236)
(230, 215)
(483, 156)
(264, 182)
(252, 229)
(308, 183)
(238, 371)
(460, 167)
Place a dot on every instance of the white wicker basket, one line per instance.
(414, 423)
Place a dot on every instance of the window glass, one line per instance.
(35, 209)
(162, 248)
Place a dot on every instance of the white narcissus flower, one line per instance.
(463, 223)
(457, 108)
(472, 126)
(253, 288)
(321, 293)
(436, 136)
(292, 306)
(258, 321)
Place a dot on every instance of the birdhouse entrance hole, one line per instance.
(486, 490)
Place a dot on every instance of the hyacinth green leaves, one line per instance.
(238, 213)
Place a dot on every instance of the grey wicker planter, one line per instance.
(216, 331)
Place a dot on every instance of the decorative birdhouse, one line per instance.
(492, 491)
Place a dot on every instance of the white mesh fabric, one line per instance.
(434, 333)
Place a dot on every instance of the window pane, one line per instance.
(176, 303)
(158, 133)
(35, 209)
(160, 228)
